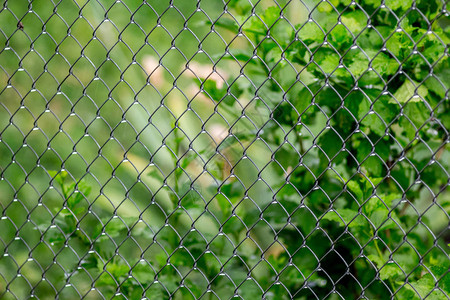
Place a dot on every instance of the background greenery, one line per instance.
(312, 163)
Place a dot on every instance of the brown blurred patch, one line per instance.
(195, 70)
(154, 70)
(218, 132)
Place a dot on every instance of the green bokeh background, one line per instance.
(75, 97)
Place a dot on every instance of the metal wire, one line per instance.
(224, 149)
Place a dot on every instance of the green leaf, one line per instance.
(327, 60)
(357, 62)
(436, 86)
(59, 176)
(373, 166)
(325, 7)
(375, 259)
(274, 55)
(210, 87)
(387, 271)
(410, 91)
(346, 2)
(237, 54)
(344, 216)
(391, 270)
(355, 21)
(373, 3)
(384, 65)
(79, 194)
(379, 216)
(399, 4)
(115, 226)
(143, 273)
(269, 18)
(389, 198)
(400, 45)
(373, 205)
(385, 111)
(311, 32)
(117, 270)
(241, 6)
(417, 114)
(79, 210)
(271, 15)
(354, 187)
(369, 183)
(52, 173)
(104, 280)
(226, 23)
(340, 37)
(424, 286)
(330, 143)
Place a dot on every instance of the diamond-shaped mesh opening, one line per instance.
(266, 149)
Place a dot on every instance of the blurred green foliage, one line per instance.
(314, 166)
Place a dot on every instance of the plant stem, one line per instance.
(380, 254)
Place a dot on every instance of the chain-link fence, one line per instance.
(218, 149)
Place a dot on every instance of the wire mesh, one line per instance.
(218, 149)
